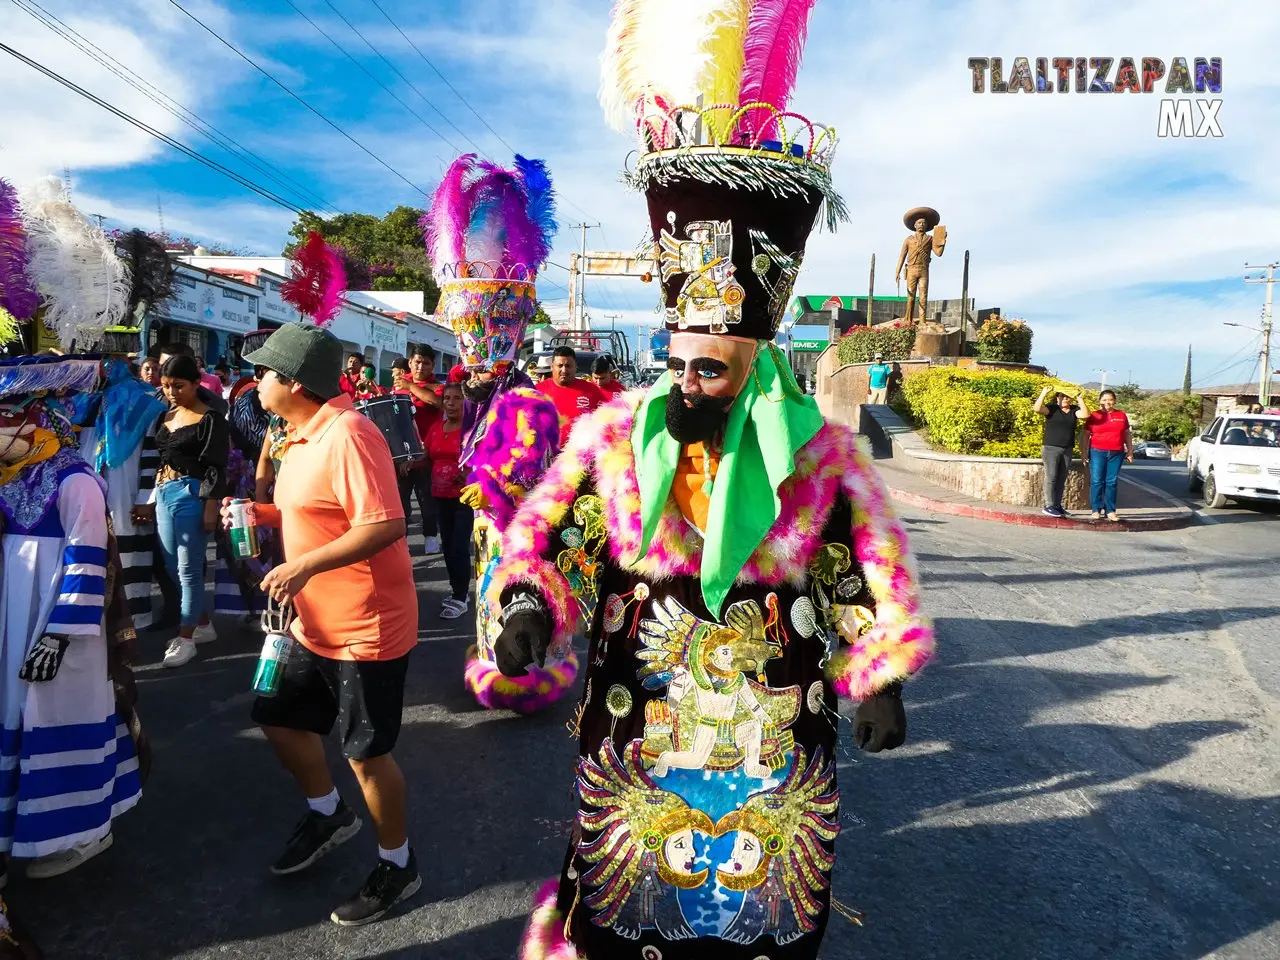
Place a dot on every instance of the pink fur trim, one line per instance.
(522, 435)
(536, 690)
(544, 934)
(527, 539)
(901, 641)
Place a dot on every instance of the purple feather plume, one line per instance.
(484, 213)
(18, 292)
(776, 31)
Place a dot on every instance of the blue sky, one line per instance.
(1118, 247)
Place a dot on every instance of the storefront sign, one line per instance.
(273, 306)
(808, 346)
(199, 303)
(387, 336)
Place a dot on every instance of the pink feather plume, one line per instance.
(317, 281)
(445, 224)
(774, 44)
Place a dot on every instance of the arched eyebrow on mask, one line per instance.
(699, 363)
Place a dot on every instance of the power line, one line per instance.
(236, 50)
(170, 105)
(378, 53)
(165, 138)
(391, 93)
(442, 77)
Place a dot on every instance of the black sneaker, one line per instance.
(315, 836)
(386, 886)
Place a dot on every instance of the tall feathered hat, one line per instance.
(735, 182)
(488, 232)
(81, 280)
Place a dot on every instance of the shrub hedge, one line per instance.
(988, 413)
(1004, 340)
(861, 344)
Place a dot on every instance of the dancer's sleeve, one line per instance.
(521, 438)
(81, 599)
(532, 545)
(148, 465)
(901, 640)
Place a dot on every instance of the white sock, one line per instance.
(399, 856)
(327, 805)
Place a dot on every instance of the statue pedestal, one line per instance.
(935, 340)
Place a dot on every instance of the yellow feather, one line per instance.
(722, 78)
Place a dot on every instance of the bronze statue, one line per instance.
(917, 250)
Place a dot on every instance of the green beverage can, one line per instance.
(244, 530)
(275, 654)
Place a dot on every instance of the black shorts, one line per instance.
(364, 697)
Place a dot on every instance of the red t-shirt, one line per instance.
(444, 447)
(424, 415)
(579, 397)
(613, 388)
(346, 386)
(1107, 429)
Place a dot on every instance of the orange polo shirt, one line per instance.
(336, 474)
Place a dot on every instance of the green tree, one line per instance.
(390, 247)
(540, 317)
(1169, 417)
(1127, 394)
(1186, 376)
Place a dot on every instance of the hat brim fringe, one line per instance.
(745, 170)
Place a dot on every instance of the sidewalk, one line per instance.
(1141, 507)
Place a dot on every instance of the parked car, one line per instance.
(1236, 458)
(1152, 450)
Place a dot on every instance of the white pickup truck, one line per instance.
(1236, 458)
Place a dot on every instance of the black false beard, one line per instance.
(698, 423)
(480, 391)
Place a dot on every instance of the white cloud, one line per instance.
(46, 128)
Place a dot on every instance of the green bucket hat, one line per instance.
(305, 353)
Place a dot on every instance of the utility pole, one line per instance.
(1264, 369)
(579, 322)
(1102, 379)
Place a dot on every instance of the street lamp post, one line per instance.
(1264, 368)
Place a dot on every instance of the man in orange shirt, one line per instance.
(348, 575)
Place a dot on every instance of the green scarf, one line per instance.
(770, 421)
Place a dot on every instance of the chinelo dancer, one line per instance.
(748, 566)
(71, 764)
(488, 231)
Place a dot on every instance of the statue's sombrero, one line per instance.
(931, 217)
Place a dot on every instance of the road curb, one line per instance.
(1184, 518)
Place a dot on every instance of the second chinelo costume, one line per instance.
(488, 232)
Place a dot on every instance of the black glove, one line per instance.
(526, 633)
(44, 660)
(880, 723)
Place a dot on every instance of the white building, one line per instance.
(219, 299)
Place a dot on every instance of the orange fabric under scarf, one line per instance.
(690, 479)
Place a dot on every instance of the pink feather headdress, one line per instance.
(317, 281)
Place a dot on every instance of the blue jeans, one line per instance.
(1104, 472)
(180, 524)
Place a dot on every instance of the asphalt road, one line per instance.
(1092, 772)
(1258, 517)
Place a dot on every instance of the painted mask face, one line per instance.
(680, 852)
(708, 374)
(746, 856)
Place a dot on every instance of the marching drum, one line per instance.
(394, 416)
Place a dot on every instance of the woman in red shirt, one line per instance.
(444, 447)
(1110, 444)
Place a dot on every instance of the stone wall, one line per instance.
(995, 479)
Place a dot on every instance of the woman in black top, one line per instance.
(193, 442)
